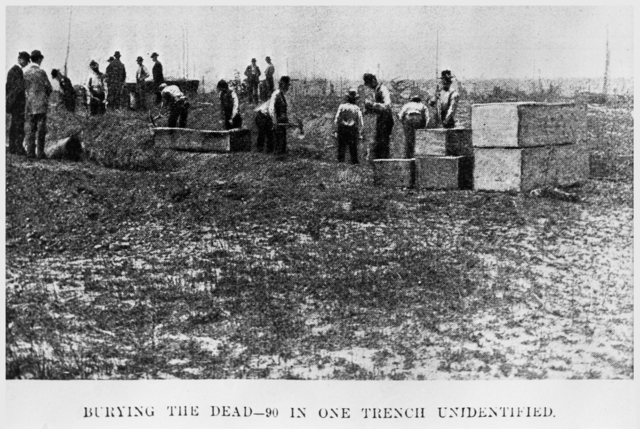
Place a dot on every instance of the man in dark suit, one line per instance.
(16, 101)
(158, 76)
(68, 92)
(279, 117)
(253, 78)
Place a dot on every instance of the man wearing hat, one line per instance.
(229, 106)
(264, 124)
(381, 106)
(37, 89)
(16, 101)
(158, 76)
(253, 77)
(175, 101)
(68, 92)
(279, 117)
(447, 101)
(97, 90)
(413, 115)
(268, 73)
(142, 74)
(349, 125)
(116, 77)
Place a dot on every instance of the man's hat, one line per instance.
(155, 54)
(446, 76)
(54, 73)
(117, 54)
(268, 59)
(24, 55)
(368, 77)
(222, 84)
(36, 55)
(93, 64)
(253, 60)
(139, 59)
(416, 98)
(285, 79)
(352, 94)
(110, 59)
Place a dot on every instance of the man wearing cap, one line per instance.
(268, 73)
(349, 124)
(37, 89)
(97, 90)
(253, 77)
(158, 76)
(142, 74)
(279, 118)
(174, 100)
(381, 106)
(116, 77)
(413, 115)
(447, 101)
(68, 92)
(229, 106)
(16, 101)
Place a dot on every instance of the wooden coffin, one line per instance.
(202, 140)
(526, 124)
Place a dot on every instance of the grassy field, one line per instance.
(140, 264)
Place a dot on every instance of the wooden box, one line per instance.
(394, 172)
(202, 140)
(526, 124)
(502, 169)
(443, 142)
(444, 172)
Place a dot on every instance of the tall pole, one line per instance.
(605, 85)
(437, 94)
(66, 59)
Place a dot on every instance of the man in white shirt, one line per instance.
(349, 125)
(142, 74)
(229, 106)
(175, 101)
(413, 115)
(381, 106)
(97, 90)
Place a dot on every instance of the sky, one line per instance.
(331, 42)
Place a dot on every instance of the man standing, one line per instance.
(116, 77)
(349, 125)
(447, 101)
(278, 113)
(413, 115)
(142, 74)
(382, 108)
(97, 90)
(175, 101)
(68, 92)
(253, 77)
(268, 73)
(16, 101)
(37, 89)
(229, 106)
(158, 76)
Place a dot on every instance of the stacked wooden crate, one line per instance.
(444, 158)
(524, 146)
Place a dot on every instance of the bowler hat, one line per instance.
(155, 54)
(446, 76)
(268, 59)
(352, 94)
(24, 55)
(285, 79)
(110, 59)
(117, 54)
(36, 55)
(253, 60)
(93, 64)
(368, 77)
(139, 59)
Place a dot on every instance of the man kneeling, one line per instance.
(174, 100)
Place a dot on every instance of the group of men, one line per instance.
(252, 72)
(413, 115)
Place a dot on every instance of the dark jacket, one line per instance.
(280, 108)
(116, 72)
(156, 71)
(16, 98)
(252, 77)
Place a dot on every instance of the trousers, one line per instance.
(384, 126)
(410, 124)
(348, 138)
(178, 110)
(16, 131)
(37, 133)
(264, 123)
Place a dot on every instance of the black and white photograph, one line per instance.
(380, 195)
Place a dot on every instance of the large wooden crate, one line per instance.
(514, 169)
(444, 172)
(202, 140)
(394, 172)
(526, 124)
(443, 142)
